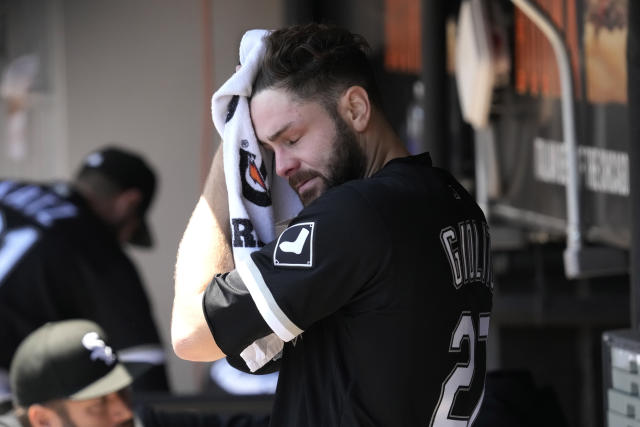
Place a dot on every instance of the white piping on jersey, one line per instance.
(476, 410)
(267, 305)
(483, 331)
(483, 334)
(151, 353)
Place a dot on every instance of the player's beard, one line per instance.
(347, 162)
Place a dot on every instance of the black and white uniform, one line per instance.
(382, 290)
(59, 261)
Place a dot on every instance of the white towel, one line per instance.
(258, 199)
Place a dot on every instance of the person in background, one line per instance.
(66, 374)
(62, 256)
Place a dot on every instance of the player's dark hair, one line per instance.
(316, 62)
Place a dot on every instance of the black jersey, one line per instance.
(381, 289)
(59, 261)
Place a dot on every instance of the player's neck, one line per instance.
(381, 145)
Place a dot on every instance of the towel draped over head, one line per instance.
(258, 199)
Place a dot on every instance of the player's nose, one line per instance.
(286, 164)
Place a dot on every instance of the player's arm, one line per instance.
(329, 253)
(204, 251)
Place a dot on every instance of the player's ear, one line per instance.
(127, 202)
(41, 416)
(355, 108)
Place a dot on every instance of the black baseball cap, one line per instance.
(69, 359)
(126, 170)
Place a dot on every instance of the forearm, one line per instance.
(203, 252)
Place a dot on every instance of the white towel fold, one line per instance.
(258, 199)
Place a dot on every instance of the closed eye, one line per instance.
(264, 146)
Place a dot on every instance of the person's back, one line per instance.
(405, 338)
(60, 260)
(28, 292)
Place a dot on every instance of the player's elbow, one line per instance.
(182, 340)
(184, 348)
(194, 344)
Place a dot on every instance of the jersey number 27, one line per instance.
(462, 376)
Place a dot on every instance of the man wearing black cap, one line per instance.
(61, 257)
(66, 374)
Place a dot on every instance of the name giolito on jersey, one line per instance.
(468, 249)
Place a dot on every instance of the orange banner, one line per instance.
(402, 36)
(536, 70)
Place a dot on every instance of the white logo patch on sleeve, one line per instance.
(295, 246)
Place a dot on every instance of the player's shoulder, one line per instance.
(400, 179)
(412, 185)
(41, 205)
(345, 210)
(357, 199)
(397, 186)
(341, 210)
(415, 176)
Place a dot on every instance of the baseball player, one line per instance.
(61, 257)
(380, 288)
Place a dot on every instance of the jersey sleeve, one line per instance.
(231, 314)
(333, 251)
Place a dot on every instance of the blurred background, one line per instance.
(475, 82)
